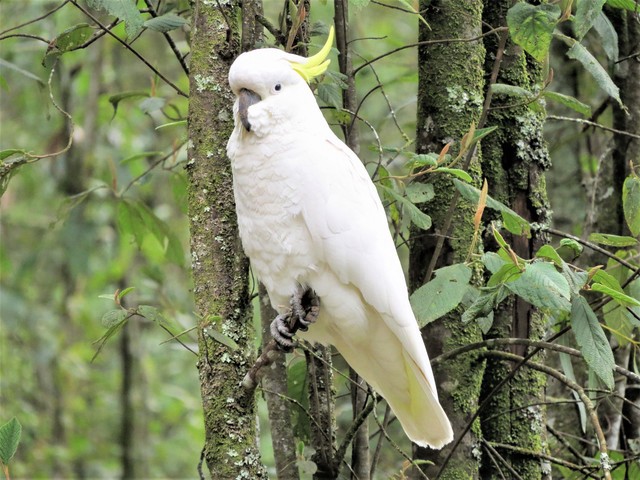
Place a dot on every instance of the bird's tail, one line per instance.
(422, 417)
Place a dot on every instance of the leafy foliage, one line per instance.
(531, 26)
(442, 294)
(9, 439)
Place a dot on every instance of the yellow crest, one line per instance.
(317, 64)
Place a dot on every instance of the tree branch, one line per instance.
(130, 48)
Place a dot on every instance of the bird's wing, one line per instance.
(348, 224)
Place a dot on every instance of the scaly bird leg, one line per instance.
(305, 308)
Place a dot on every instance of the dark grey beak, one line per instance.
(246, 98)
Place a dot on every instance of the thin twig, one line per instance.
(592, 124)
(25, 35)
(590, 245)
(170, 41)
(490, 395)
(602, 442)
(493, 342)
(350, 435)
(130, 48)
(430, 42)
(490, 448)
(42, 17)
(558, 461)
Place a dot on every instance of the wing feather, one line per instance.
(349, 228)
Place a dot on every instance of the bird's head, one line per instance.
(275, 80)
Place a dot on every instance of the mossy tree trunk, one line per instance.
(514, 159)
(450, 98)
(220, 270)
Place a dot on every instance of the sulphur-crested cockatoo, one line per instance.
(309, 216)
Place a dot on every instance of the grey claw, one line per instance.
(281, 333)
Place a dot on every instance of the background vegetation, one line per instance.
(104, 213)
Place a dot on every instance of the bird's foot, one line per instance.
(305, 307)
(282, 332)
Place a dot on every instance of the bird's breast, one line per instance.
(268, 205)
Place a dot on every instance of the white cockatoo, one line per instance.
(310, 217)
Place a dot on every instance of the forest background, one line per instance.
(109, 200)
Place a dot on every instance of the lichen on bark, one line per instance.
(514, 161)
(219, 267)
(450, 93)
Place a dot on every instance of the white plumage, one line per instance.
(309, 215)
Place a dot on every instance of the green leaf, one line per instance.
(589, 62)
(130, 222)
(507, 273)
(480, 133)
(569, 249)
(115, 100)
(631, 204)
(484, 304)
(112, 330)
(69, 40)
(418, 192)
(165, 23)
(542, 286)
(221, 338)
(113, 317)
(592, 341)
(605, 278)
(135, 218)
(124, 9)
(630, 5)
(152, 314)
(442, 294)
(567, 368)
(587, 11)
(124, 292)
(618, 320)
(573, 103)
(9, 439)
(612, 240)
(330, 94)
(9, 152)
(423, 159)
(456, 172)
(622, 298)
(419, 218)
(511, 90)
(531, 27)
(608, 35)
(513, 222)
(548, 252)
(493, 261)
(577, 280)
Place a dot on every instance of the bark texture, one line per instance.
(274, 385)
(450, 97)
(514, 160)
(219, 267)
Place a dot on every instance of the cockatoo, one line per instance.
(310, 217)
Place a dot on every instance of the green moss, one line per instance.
(220, 270)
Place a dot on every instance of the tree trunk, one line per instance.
(450, 97)
(219, 267)
(274, 385)
(514, 160)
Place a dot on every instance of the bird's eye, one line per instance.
(277, 87)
